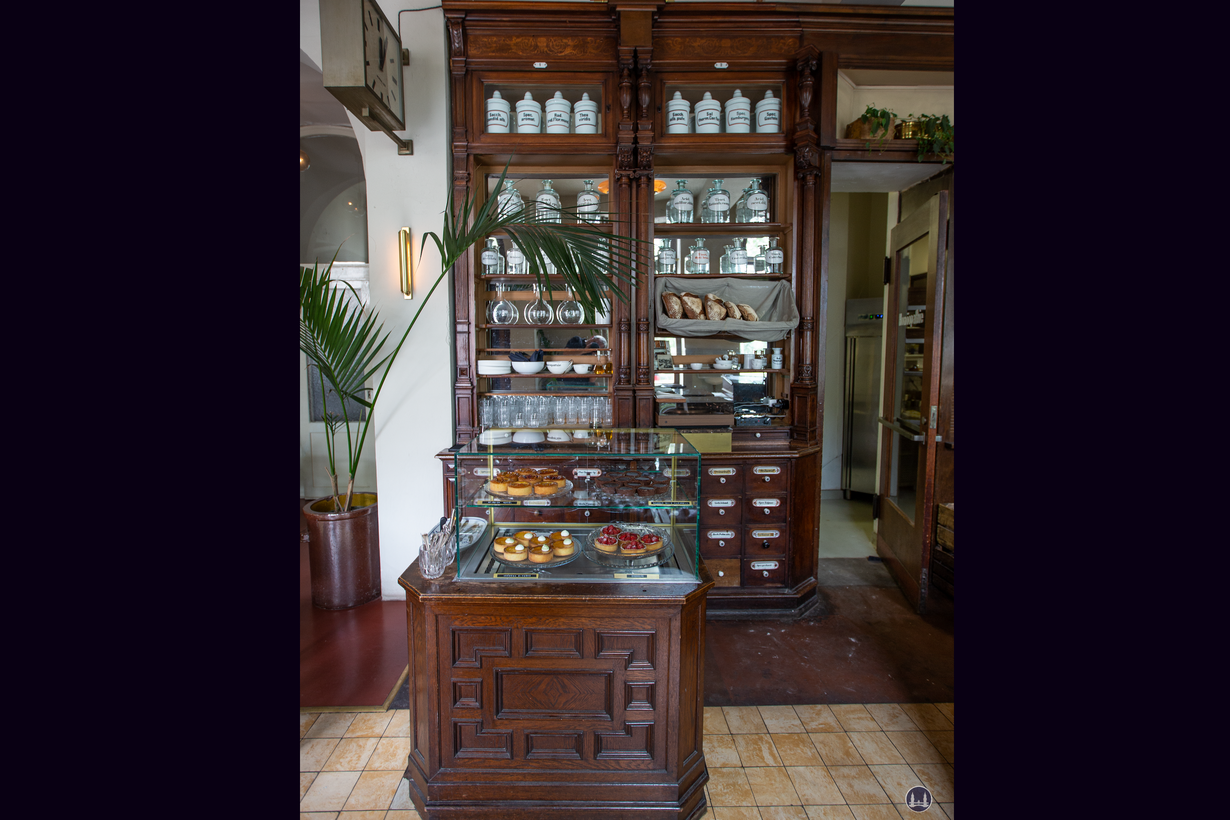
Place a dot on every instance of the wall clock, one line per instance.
(363, 58)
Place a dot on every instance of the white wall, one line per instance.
(414, 414)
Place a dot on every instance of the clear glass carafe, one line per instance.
(741, 206)
(715, 209)
(492, 259)
(773, 258)
(509, 200)
(587, 204)
(569, 311)
(754, 205)
(548, 203)
(698, 257)
(680, 208)
(501, 311)
(516, 260)
(724, 262)
(738, 257)
(539, 312)
(667, 263)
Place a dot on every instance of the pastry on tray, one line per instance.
(516, 552)
(524, 537)
(519, 488)
(502, 543)
(606, 543)
(541, 553)
(563, 547)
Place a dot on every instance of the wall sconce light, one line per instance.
(404, 251)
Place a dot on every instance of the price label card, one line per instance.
(514, 575)
(675, 473)
(500, 502)
(645, 574)
(668, 503)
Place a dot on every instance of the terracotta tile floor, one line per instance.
(849, 761)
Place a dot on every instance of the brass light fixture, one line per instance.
(304, 162)
(404, 251)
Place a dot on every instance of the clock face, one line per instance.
(382, 55)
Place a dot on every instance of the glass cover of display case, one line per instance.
(578, 505)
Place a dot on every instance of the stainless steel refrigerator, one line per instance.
(864, 329)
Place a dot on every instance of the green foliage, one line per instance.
(343, 339)
(937, 136)
(881, 123)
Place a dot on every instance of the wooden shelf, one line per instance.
(733, 228)
(545, 374)
(892, 151)
(690, 372)
(536, 327)
(768, 277)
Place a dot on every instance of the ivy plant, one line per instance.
(881, 120)
(937, 136)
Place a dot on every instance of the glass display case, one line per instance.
(586, 505)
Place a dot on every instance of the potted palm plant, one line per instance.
(345, 342)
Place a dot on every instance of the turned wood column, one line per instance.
(465, 403)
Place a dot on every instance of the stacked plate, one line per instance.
(494, 367)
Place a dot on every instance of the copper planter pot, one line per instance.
(344, 552)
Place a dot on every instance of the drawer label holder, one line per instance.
(766, 502)
(765, 565)
(721, 502)
(767, 470)
(720, 534)
(766, 533)
(722, 471)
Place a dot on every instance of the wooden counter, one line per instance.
(539, 700)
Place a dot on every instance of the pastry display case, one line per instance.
(586, 505)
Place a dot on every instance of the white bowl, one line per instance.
(558, 435)
(559, 367)
(581, 434)
(528, 368)
(582, 368)
(724, 365)
(696, 365)
(495, 437)
(528, 437)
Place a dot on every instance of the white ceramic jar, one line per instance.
(498, 114)
(738, 114)
(529, 115)
(558, 115)
(708, 116)
(678, 115)
(585, 116)
(769, 114)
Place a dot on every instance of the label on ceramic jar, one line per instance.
(766, 533)
(677, 117)
(681, 201)
(587, 203)
(515, 257)
(765, 565)
(718, 202)
(721, 471)
(667, 257)
(700, 257)
(497, 118)
(737, 117)
(767, 116)
(758, 202)
(527, 118)
(766, 502)
(766, 470)
(708, 117)
(491, 258)
(584, 117)
(721, 502)
(557, 119)
(719, 534)
(774, 257)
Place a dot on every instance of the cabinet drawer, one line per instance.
(767, 477)
(721, 511)
(721, 542)
(767, 541)
(725, 571)
(583, 516)
(721, 478)
(771, 509)
(764, 572)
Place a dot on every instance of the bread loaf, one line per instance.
(732, 311)
(715, 311)
(672, 305)
(692, 305)
(749, 314)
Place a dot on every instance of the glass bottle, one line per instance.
(757, 265)
(516, 260)
(509, 200)
(738, 257)
(715, 209)
(501, 311)
(741, 206)
(724, 262)
(548, 203)
(773, 257)
(603, 366)
(755, 205)
(539, 312)
(493, 262)
(569, 312)
(681, 209)
(666, 260)
(698, 257)
(587, 204)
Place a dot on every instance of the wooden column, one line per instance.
(465, 405)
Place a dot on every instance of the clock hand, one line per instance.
(384, 51)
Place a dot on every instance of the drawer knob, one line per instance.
(758, 436)
(766, 573)
(721, 574)
(765, 545)
(766, 478)
(721, 512)
(587, 513)
(722, 480)
(721, 544)
(766, 510)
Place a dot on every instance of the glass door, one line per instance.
(911, 395)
